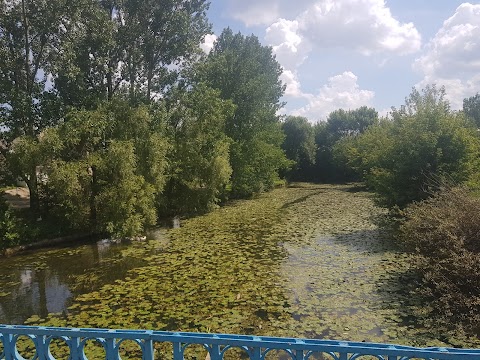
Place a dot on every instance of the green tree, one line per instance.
(110, 168)
(130, 47)
(340, 124)
(299, 146)
(10, 234)
(200, 158)
(247, 73)
(31, 33)
(125, 202)
(471, 108)
(424, 145)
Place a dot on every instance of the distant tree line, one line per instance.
(422, 162)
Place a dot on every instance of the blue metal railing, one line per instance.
(256, 347)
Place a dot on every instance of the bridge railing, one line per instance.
(216, 346)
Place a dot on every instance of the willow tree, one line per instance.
(199, 160)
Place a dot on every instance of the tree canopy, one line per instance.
(424, 145)
(247, 73)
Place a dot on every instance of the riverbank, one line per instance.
(45, 243)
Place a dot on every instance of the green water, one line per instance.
(306, 261)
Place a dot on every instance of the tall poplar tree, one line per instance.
(247, 73)
(131, 47)
(31, 34)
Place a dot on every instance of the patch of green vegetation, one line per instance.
(305, 261)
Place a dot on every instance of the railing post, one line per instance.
(299, 355)
(215, 353)
(75, 352)
(256, 353)
(41, 346)
(9, 346)
(147, 353)
(111, 349)
(177, 351)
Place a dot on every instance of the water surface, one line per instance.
(306, 261)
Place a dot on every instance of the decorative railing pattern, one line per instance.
(216, 345)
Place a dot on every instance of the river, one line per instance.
(304, 261)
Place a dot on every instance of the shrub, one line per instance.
(444, 231)
(9, 226)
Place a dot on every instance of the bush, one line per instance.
(445, 232)
(425, 140)
(9, 226)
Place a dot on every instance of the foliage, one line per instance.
(129, 47)
(111, 164)
(30, 35)
(299, 146)
(199, 162)
(444, 231)
(65, 195)
(247, 73)
(340, 125)
(9, 226)
(125, 201)
(471, 108)
(425, 143)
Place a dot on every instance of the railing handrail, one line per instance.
(9, 334)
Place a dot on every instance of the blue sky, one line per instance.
(349, 53)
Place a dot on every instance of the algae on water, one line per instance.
(304, 261)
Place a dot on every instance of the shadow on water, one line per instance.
(367, 241)
(301, 199)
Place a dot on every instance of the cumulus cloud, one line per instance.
(208, 42)
(290, 79)
(341, 91)
(264, 12)
(289, 46)
(452, 57)
(364, 25)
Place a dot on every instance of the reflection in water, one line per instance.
(176, 222)
(43, 281)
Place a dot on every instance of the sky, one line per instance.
(350, 53)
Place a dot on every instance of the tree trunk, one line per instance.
(32, 184)
(93, 194)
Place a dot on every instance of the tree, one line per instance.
(247, 73)
(299, 146)
(125, 201)
(471, 108)
(130, 47)
(31, 33)
(340, 124)
(425, 144)
(110, 168)
(200, 158)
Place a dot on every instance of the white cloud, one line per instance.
(366, 26)
(289, 46)
(264, 12)
(290, 79)
(452, 57)
(341, 91)
(208, 42)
